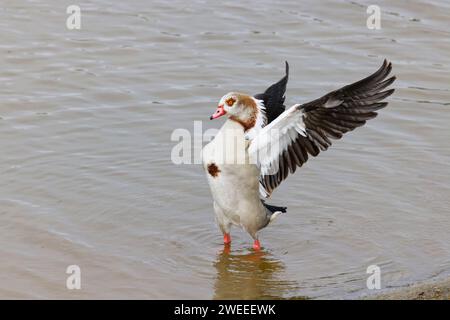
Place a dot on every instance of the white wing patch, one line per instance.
(265, 149)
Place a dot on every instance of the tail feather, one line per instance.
(275, 211)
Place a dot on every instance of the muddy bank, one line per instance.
(439, 290)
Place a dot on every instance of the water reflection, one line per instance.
(251, 275)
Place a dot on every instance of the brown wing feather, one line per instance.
(330, 117)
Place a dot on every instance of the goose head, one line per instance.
(241, 108)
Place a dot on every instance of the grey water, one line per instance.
(86, 118)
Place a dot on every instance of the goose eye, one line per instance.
(230, 101)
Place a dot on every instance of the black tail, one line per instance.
(274, 209)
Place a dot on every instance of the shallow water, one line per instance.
(86, 118)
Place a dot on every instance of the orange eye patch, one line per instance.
(230, 101)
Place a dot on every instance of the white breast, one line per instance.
(233, 180)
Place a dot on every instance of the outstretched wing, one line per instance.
(306, 129)
(274, 97)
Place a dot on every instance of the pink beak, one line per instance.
(219, 112)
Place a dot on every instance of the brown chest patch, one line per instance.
(248, 124)
(213, 170)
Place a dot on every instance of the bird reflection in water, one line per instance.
(251, 275)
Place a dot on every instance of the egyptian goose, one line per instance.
(261, 143)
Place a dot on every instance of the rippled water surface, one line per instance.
(86, 118)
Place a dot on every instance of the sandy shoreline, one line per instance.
(436, 290)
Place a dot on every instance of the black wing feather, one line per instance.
(274, 96)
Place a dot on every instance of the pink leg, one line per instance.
(226, 238)
(256, 245)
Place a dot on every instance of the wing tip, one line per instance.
(286, 75)
(387, 93)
